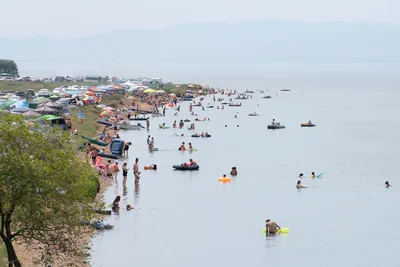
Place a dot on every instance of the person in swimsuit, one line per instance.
(147, 123)
(233, 171)
(387, 184)
(300, 175)
(299, 185)
(115, 205)
(313, 175)
(193, 163)
(94, 155)
(136, 171)
(116, 169)
(271, 227)
(124, 173)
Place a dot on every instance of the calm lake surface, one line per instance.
(346, 218)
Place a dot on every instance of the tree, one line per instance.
(45, 191)
(9, 67)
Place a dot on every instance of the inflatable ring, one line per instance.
(224, 179)
(282, 230)
(148, 167)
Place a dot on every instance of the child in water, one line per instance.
(233, 171)
(387, 185)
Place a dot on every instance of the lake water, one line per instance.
(346, 218)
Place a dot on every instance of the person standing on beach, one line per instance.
(148, 123)
(163, 111)
(148, 140)
(136, 171)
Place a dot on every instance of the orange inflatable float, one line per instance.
(151, 167)
(224, 179)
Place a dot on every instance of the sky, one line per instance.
(80, 18)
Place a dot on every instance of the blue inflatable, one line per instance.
(117, 147)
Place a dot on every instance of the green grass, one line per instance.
(22, 86)
(3, 256)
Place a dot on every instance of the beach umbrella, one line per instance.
(31, 113)
(149, 91)
(46, 117)
(44, 110)
(21, 109)
(40, 100)
(50, 104)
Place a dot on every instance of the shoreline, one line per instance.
(29, 256)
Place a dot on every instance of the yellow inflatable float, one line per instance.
(282, 230)
(224, 179)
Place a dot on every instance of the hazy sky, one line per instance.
(75, 18)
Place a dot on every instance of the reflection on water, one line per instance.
(270, 240)
(136, 194)
(125, 191)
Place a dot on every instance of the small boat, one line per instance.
(109, 156)
(94, 141)
(235, 105)
(124, 126)
(137, 119)
(306, 124)
(267, 97)
(253, 114)
(185, 168)
(197, 105)
(187, 120)
(210, 106)
(285, 90)
(242, 98)
(107, 123)
(249, 92)
(199, 135)
(274, 127)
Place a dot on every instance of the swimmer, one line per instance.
(233, 171)
(299, 185)
(271, 227)
(387, 185)
(129, 207)
(300, 175)
(313, 175)
(191, 147)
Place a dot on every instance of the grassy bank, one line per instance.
(23, 86)
(3, 256)
(88, 127)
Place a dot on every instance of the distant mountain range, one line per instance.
(266, 41)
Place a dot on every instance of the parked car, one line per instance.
(6, 79)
